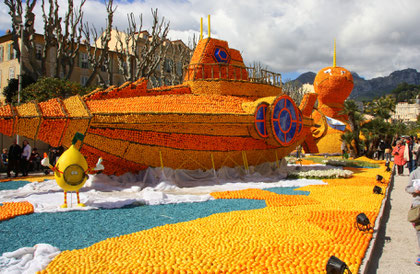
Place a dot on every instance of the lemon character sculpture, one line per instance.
(71, 170)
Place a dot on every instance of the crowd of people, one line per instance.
(24, 159)
(20, 159)
(406, 152)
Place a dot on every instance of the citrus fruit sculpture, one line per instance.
(223, 114)
(71, 169)
(333, 85)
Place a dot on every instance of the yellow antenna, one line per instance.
(201, 29)
(208, 17)
(335, 56)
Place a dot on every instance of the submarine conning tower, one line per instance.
(217, 69)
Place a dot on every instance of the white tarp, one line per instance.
(28, 260)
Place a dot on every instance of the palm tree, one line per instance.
(374, 131)
(381, 107)
(355, 119)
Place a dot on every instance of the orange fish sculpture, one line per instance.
(333, 85)
(223, 114)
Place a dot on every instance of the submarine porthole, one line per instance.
(260, 118)
(286, 120)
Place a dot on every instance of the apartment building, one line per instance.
(10, 67)
(405, 112)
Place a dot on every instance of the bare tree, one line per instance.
(171, 67)
(98, 54)
(192, 42)
(68, 38)
(63, 36)
(295, 90)
(140, 56)
(17, 15)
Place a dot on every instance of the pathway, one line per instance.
(396, 245)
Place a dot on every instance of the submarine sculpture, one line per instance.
(221, 115)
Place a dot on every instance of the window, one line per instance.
(11, 73)
(38, 53)
(7, 52)
(83, 80)
(168, 65)
(83, 60)
(1, 53)
(12, 52)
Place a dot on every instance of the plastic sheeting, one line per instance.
(28, 259)
(152, 187)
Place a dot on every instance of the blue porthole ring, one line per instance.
(286, 120)
(260, 120)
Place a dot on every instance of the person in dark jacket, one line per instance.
(408, 154)
(14, 156)
(381, 150)
(4, 159)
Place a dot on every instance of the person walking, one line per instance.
(26, 155)
(14, 157)
(4, 159)
(388, 150)
(416, 147)
(418, 153)
(413, 188)
(35, 160)
(381, 150)
(408, 154)
(399, 160)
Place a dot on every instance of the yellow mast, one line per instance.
(208, 18)
(335, 56)
(201, 29)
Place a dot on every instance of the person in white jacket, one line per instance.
(26, 155)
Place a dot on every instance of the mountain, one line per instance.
(307, 77)
(376, 87)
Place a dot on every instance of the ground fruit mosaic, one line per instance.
(13, 209)
(292, 234)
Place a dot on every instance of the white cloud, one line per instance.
(374, 37)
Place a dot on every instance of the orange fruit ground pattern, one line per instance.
(13, 209)
(291, 235)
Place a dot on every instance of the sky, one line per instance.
(374, 38)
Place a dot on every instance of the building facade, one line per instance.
(168, 72)
(405, 112)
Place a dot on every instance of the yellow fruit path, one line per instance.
(293, 234)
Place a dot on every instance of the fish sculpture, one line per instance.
(223, 114)
(333, 85)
